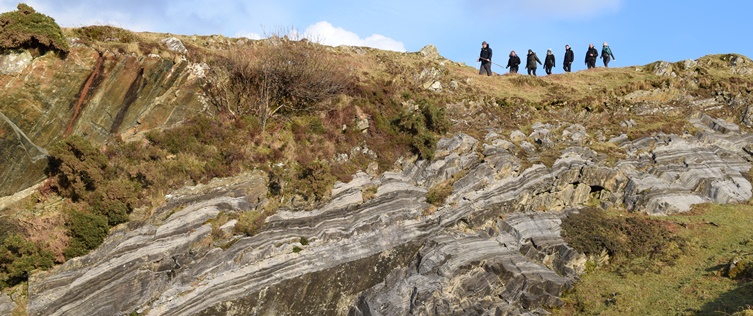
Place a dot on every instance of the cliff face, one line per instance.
(493, 247)
(90, 93)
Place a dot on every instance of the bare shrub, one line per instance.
(278, 76)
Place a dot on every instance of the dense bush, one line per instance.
(86, 231)
(19, 257)
(625, 238)
(84, 174)
(26, 28)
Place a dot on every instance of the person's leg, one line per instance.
(489, 69)
(534, 72)
(606, 61)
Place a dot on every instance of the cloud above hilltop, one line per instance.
(325, 33)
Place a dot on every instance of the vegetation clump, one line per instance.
(28, 29)
(283, 77)
(629, 240)
(19, 257)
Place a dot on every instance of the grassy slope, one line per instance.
(694, 285)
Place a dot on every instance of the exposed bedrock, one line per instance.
(493, 246)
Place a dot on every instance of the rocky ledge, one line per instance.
(493, 247)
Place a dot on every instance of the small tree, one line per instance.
(26, 28)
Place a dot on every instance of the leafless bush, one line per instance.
(277, 76)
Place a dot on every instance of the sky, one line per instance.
(638, 31)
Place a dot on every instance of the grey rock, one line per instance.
(6, 305)
(430, 52)
(528, 147)
(15, 62)
(174, 44)
(517, 136)
(459, 144)
(664, 68)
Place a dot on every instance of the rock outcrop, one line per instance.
(492, 247)
(93, 93)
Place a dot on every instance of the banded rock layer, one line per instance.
(493, 247)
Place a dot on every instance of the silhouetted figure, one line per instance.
(531, 62)
(591, 56)
(569, 58)
(549, 62)
(485, 57)
(513, 62)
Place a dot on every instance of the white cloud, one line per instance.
(327, 34)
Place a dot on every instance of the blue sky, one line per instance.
(638, 31)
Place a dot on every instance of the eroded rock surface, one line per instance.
(46, 98)
(492, 247)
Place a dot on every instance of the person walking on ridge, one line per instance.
(485, 57)
(531, 61)
(606, 52)
(569, 58)
(549, 62)
(513, 62)
(591, 56)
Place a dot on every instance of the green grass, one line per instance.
(694, 285)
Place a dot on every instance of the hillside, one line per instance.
(165, 174)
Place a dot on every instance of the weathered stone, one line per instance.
(430, 52)
(6, 305)
(517, 136)
(175, 45)
(664, 68)
(14, 63)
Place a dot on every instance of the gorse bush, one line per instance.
(83, 173)
(19, 257)
(86, 231)
(27, 28)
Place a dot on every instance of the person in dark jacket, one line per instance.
(513, 62)
(606, 52)
(569, 58)
(485, 57)
(531, 62)
(591, 56)
(549, 62)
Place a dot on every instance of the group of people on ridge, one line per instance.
(549, 62)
